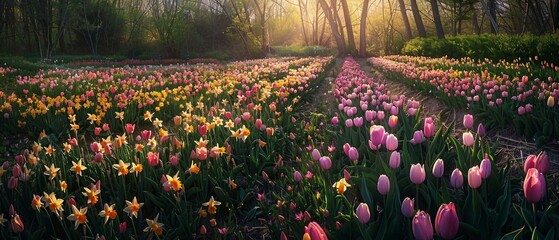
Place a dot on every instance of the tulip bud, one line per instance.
(377, 134)
(363, 213)
(428, 127)
(534, 186)
(408, 207)
(122, 227)
(335, 120)
(315, 231)
(16, 225)
(358, 121)
(203, 230)
(485, 167)
(347, 175)
(264, 176)
(421, 226)
(474, 177)
(468, 121)
(418, 137)
(550, 101)
(315, 154)
(456, 178)
(438, 168)
(383, 184)
(129, 128)
(480, 130)
(391, 142)
(468, 139)
(325, 162)
(540, 162)
(297, 176)
(417, 173)
(393, 121)
(353, 153)
(446, 221)
(394, 160)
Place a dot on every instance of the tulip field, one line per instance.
(232, 151)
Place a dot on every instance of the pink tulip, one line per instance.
(540, 162)
(363, 213)
(428, 127)
(393, 121)
(130, 128)
(418, 137)
(421, 226)
(97, 131)
(297, 176)
(394, 160)
(358, 121)
(353, 154)
(315, 231)
(446, 221)
(153, 159)
(474, 177)
(468, 121)
(349, 123)
(456, 178)
(146, 134)
(480, 130)
(346, 148)
(391, 142)
(438, 168)
(347, 175)
(174, 160)
(408, 207)
(315, 154)
(325, 162)
(16, 225)
(534, 186)
(468, 139)
(335, 120)
(369, 115)
(417, 173)
(485, 167)
(383, 184)
(377, 134)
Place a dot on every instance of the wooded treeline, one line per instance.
(186, 28)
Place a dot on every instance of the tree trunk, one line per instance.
(363, 30)
(334, 27)
(405, 19)
(492, 11)
(477, 29)
(417, 18)
(437, 18)
(303, 22)
(335, 12)
(349, 28)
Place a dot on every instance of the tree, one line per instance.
(437, 18)
(334, 27)
(417, 18)
(349, 27)
(363, 29)
(404, 13)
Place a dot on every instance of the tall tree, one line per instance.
(334, 27)
(417, 18)
(404, 13)
(363, 29)
(437, 18)
(349, 27)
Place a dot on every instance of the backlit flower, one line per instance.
(108, 212)
(51, 171)
(341, 186)
(132, 208)
(78, 167)
(154, 226)
(78, 216)
(173, 182)
(121, 167)
(54, 204)
(91, 194)
(211, 204)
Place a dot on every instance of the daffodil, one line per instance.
(194, 169)
(132, 208)
(173, 182)
(78, 216)
(78, 167)
(36, 203)
(54, 204)
(108, 212)
(341, 186)
(51, 171)
(154, 226)
(136, 168)
(91, 194)
(211, 204)
(121, 167)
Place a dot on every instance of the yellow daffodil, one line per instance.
(154, 226)
(108, 212)
(78, 167)
(78, 216)
(122, 167)
(341, 186)
(51, 171)
(211, 204)
(173, 182)
(132, 208)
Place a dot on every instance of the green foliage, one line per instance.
(496, 47)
